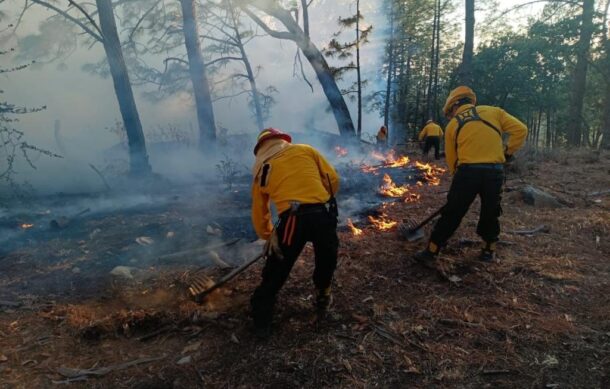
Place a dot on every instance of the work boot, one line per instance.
(488, 253)
(324, 299)
(427, 257)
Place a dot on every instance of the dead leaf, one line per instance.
(3, 358)
(234, 339)
(144, 241)
(191, 348)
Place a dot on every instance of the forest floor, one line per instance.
(538, 317)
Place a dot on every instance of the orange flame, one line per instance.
(340, 151)
(390, 189)
(25, 226)
(355, 230)
(400, 162)
(431, 172)
(382, 223)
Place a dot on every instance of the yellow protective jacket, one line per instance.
(478, 142)
(299, 174)
(431, 129)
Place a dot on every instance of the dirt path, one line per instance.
(539, 317)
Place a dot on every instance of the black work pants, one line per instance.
(467, 184)
(432, 141)
(314, 225)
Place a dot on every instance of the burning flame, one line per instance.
(400, 162)
(26, 226)
(388, 160)
(340, 151)
(382, 223)
(355, 230)
(390, 189)
(431, 172)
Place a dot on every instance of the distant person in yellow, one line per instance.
(302, 185)
(382, 137)
(431, 134)
(475, 155)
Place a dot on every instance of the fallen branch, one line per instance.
(202, 250)
(494, 372)
(76, 374)
(162, 330)
(540, 229)
(457, 323)
(599, 193)
(96, 170)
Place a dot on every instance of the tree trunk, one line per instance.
(256, 98)
(430, 94)
(575, 134)
(201, 87)
(465, 72)
(138, 158)
(388, 91)
(314, 56)
(437, 62)
(359, 73)
(606, 110)
(549, 130)
(606, 121)
(305, 7)
(329, 86)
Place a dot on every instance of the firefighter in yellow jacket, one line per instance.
(302, 185)
(475, 155)
(382, 138)
(431, 134)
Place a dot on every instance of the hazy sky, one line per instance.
(86, 104)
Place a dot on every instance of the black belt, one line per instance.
(305, 209)
(487, 166)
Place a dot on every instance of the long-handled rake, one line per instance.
(200, 285)
(413, 233)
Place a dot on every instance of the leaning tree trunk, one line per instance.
(579, 80)
(256, 98)
(329, 86)
(138, 158)
(197, 71)
(465, 72)
(313, 55)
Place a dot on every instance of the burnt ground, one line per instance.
(539, 317)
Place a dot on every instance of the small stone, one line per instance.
(122, 271)
(3, 358)
(75, 270)
(184, 360)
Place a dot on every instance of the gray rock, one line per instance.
(539, 198)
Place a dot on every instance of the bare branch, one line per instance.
(275, 34)
(71, 18)
(135, 28)
(89, 18)
(223, 59)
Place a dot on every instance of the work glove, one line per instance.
(509, 158)
(272, 247)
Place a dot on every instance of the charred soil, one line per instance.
(537, 317)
